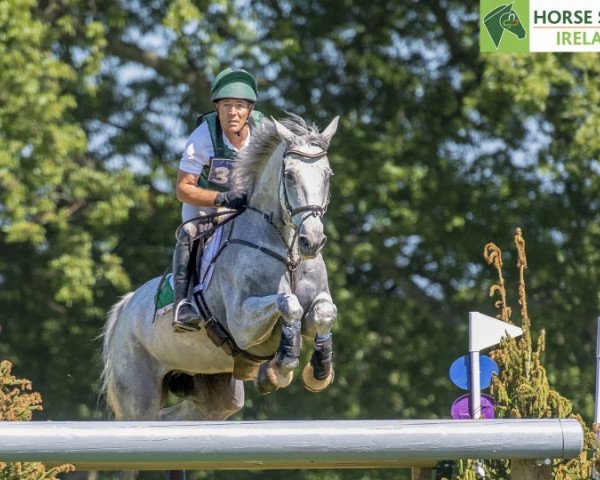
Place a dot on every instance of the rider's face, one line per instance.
(233, 114)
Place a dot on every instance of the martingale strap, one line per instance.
(220, 336)
(287, 261)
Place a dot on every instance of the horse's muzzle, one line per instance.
(308, 249)
(311, 240)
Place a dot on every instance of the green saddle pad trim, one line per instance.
(165, 295)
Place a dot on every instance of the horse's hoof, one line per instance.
(263, 384)
(280, 377)
(311, 383)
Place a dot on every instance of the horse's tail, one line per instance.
(107, 336)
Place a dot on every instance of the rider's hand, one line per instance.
(233, 199)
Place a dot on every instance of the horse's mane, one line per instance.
(265, 139)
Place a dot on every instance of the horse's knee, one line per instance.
(290, 308)
(232, 395)
(324, 314)
(231, 403)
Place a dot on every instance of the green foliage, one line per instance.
(61, 209)
(17, 402)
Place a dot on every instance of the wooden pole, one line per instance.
(421, 473)
(529, 470)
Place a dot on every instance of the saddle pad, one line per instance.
(209, 253)
(165, 295)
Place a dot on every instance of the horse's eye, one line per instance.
(288, 174)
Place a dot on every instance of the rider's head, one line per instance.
(234, 94)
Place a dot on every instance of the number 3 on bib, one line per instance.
(220, 171)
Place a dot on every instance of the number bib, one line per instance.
(220, 170)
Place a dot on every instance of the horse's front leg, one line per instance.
(318, 373)
(280, 369)
(255, 324)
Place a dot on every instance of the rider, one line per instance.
(203, 180)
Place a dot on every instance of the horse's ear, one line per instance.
(331, 129)
(283, 132)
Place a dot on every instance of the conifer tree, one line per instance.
(17, 403)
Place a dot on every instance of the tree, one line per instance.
(17, 402)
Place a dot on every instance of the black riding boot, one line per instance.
(185, 317)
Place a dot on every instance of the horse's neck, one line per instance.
(266, 192)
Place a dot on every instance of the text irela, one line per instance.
(563, 17)
(577, 38)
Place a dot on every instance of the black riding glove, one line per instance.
(233, 199)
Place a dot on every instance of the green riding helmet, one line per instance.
(234, 83)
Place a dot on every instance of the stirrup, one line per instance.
(182, 326)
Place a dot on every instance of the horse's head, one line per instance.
(286, 173)
(304, 185)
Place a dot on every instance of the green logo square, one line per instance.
(504, 27)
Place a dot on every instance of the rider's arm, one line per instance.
(189, 192)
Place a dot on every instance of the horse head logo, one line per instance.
(503, 18)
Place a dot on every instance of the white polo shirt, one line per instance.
(196, 155)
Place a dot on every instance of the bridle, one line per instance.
(313, 210)
(291, 261)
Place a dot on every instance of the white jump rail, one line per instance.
(284, 444)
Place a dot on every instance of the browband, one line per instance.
(305, 153)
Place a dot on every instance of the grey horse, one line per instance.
(268, 290)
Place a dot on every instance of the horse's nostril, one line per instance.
(303, 242)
